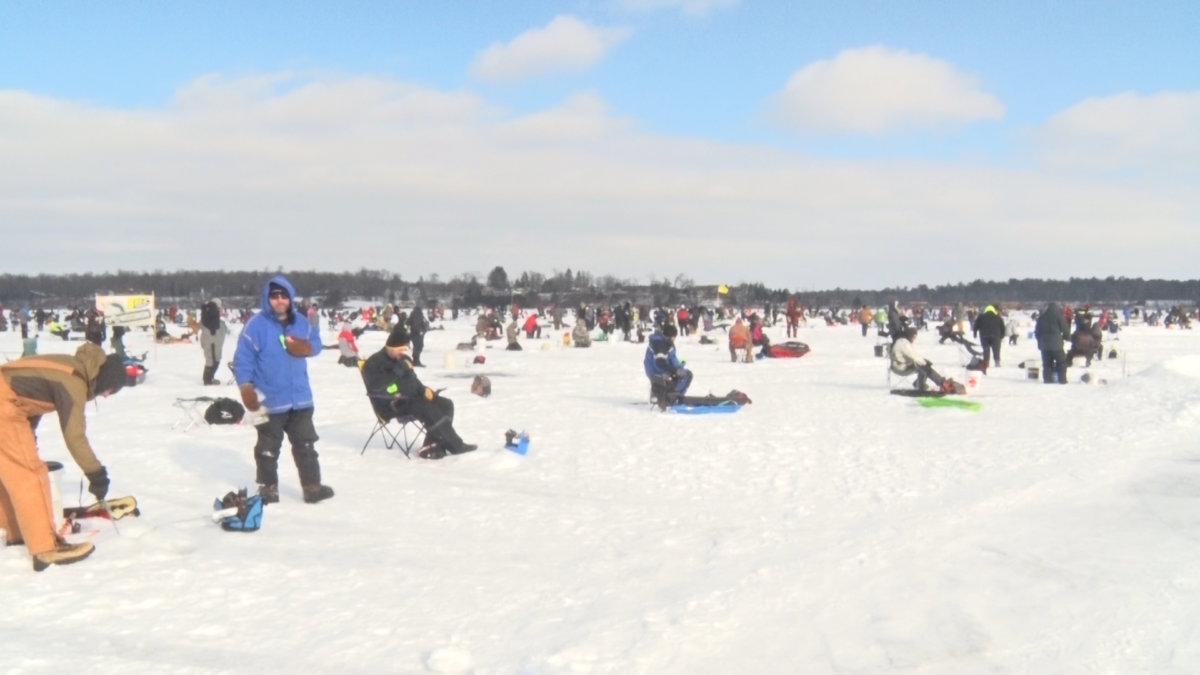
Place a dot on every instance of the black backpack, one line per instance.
(224, 411)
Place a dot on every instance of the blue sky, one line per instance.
(805, 145)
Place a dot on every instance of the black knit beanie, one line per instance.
(112, 375)
(399, 337)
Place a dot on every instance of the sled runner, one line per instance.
(701, 405)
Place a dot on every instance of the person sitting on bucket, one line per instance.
(739, 341)
(580, 335)
(347, 346)
(906, 361)
(513, 333)
(668, 378)
(29, 388)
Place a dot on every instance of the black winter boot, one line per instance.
(269, 493)
(432, 450)
(317, 493)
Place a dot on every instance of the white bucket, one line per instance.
(55, 476)
(972, 381)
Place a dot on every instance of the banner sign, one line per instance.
(126, 310)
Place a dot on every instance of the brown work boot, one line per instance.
(62, 554)
(317, 493)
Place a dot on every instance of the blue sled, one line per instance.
(705, 409)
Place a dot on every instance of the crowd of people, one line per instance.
(275, 342)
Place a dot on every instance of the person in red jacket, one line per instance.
(347, 346)
(683, 319)
(532, 328)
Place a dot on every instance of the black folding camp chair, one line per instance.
(403, 433)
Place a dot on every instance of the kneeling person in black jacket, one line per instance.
(396, 391)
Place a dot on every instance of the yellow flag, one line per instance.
(723, 289)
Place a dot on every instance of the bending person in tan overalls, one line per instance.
(29, 388)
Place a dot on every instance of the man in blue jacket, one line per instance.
(668, 378)
(270, 362)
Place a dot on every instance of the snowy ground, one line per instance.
(828, 527)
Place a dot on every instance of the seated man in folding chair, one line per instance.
(906, 361)
(396, 391)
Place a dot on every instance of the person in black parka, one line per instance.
(1051, 330)
(989, 328)
(418, 325)
(896, 321)
(212, 339)
(396, 391)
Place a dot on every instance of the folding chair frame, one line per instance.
(399, 438)
(902, 378)
(193, 414)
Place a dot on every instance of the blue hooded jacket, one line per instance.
(660, 357)
(262, 359)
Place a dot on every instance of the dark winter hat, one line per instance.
(910, 331)
(277, 288)
(112, 375)
(399, 337)
(670, 330)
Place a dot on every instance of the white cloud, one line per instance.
(875, 90)
(688, 7)
(341, 173)
(565, 44)
(582, 117)
(1160, 132)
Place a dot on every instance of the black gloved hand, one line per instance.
(98, 483)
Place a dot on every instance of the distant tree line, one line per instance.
(567, 287)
